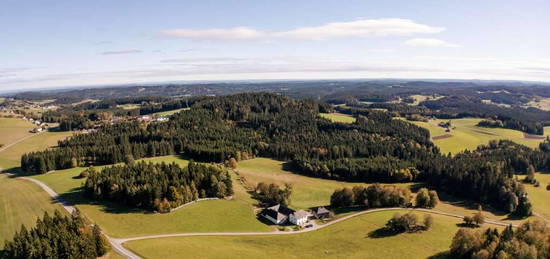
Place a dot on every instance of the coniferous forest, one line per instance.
(57, 237)
(159, 187)
(376, 148)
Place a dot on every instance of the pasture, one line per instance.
(539, 196)
(465, 134)
(172, 112)
(354, 238)
(120, 221)
(13, 129)
(338, 117)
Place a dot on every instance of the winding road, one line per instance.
(116, 243)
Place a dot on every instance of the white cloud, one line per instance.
(359, 28)
(121, 52)
(426, 42)
(237, 33)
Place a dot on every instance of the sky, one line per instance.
(47, 44)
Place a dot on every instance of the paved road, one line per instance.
(317, 227)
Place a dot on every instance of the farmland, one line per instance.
(465, 134)
(540, 195)
(353, 238)
(121, 221)
(338, 117)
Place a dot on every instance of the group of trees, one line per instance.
(373, 196)
(426, 198)
(57, 237)
(159, 187)
(529, 240)
(408, 222)
(271, 194)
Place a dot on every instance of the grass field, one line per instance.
(338, 117)
(540, 197)
(21, 202)
(307, 191)
(10, 158)
(120, 221)
(130, 106)
(467, 135)
(12, 129)
(168, 113)
(353, 238)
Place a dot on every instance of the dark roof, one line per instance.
(281, 209)
(273, 214)
(321, 210)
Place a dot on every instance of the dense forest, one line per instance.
(57, 237)
(159, 187)
(375, 148)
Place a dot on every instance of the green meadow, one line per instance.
(121, 221)
(338, 117)
(354, 238)
(465, 134)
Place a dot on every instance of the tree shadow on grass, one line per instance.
(382, 233)
(441, 255)
(76, 197)
(468, 204)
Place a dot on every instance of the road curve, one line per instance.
(69, 208)
(116, 243)
(123, 240)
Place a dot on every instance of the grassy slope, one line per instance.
(348, 239)
(120, 221)
(307, 191)
(21, 202)
(540, 197)
(168, 113)
(11, 157)
(338, 117)
(468, 136)
(13, 129)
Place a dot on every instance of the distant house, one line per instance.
(279, 214)
(37, 130)
(321, 213)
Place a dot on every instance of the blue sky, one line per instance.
(79, 43)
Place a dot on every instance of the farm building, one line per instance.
(279, 214)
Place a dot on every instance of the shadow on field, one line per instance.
(441, 255)
(468, 204)
(76, 197)
(381, 233)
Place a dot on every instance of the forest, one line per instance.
(159, 187)
(243, 126)
(58, 236)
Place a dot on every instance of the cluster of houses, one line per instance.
(40, 126)
(149, 118)
(280, 215)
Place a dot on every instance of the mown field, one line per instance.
(307, 191)
(338, 117)
(21, 202)
(540, 197)
(121, 221)
(466, 135)
(10, 158)
(353, 238)
(168, 113)
(13, 129)
(311, 192)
